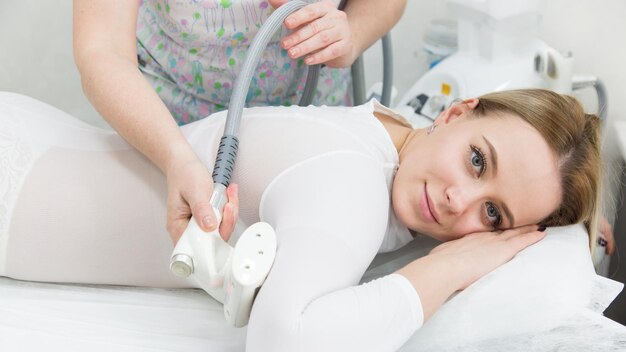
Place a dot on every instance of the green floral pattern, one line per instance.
(191, 52)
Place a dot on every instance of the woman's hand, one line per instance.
(477, 254)
(189, 189)
(322, 33)
(455, 265)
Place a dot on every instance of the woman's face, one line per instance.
(475, 174)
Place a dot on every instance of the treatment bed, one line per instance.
(65, 317)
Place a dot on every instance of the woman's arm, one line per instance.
(330, 225)
(106, 56)
(455, 265)
(336, 38)
(330, 214)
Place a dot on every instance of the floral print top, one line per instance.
(191, 52)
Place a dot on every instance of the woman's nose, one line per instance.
(459, 198)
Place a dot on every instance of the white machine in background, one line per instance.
(497, 50)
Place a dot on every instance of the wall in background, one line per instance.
(42, 65)
(36, 55)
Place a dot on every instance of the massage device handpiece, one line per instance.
(202, 258)
(230, 275)
(250, 264)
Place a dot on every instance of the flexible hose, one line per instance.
(229, 144)
(358, 75)
(358, 81)
(310, 86)
(603, 101)
(242, 84)
(385, 97)
(227, 152)
(356, 72)
(580, 82)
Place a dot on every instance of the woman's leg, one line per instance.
(82, 205)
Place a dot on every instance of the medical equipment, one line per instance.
(439, 42)
(497, 50)
(232, 275)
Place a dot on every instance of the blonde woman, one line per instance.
(338, 184)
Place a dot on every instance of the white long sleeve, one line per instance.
(329, 231)
(80, 205)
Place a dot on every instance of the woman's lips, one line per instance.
(426, 207)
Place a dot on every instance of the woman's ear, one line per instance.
(456, 110)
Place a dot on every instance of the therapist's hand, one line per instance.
(321, 34)
(190, 186)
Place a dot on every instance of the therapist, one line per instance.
(189, 55)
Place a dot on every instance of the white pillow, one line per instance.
(538, 289)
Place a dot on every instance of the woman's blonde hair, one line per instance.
(573, 136)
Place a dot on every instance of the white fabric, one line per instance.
(96, 215)
(55, 317)
(544, 286)
(321, 309)
(327, 237)
(86, 215)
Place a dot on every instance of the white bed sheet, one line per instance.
(57, 317)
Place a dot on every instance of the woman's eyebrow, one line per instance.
(493, 155)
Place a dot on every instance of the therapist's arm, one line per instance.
(369, 21)
(106, 57)
(323, 34)
(454, 265)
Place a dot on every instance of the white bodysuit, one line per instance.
(78, 204)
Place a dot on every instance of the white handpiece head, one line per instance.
(251, 263)
(231, 276)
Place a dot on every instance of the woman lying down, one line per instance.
(339, 185)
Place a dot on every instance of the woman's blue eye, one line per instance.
(493, 215)
(477, 160)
